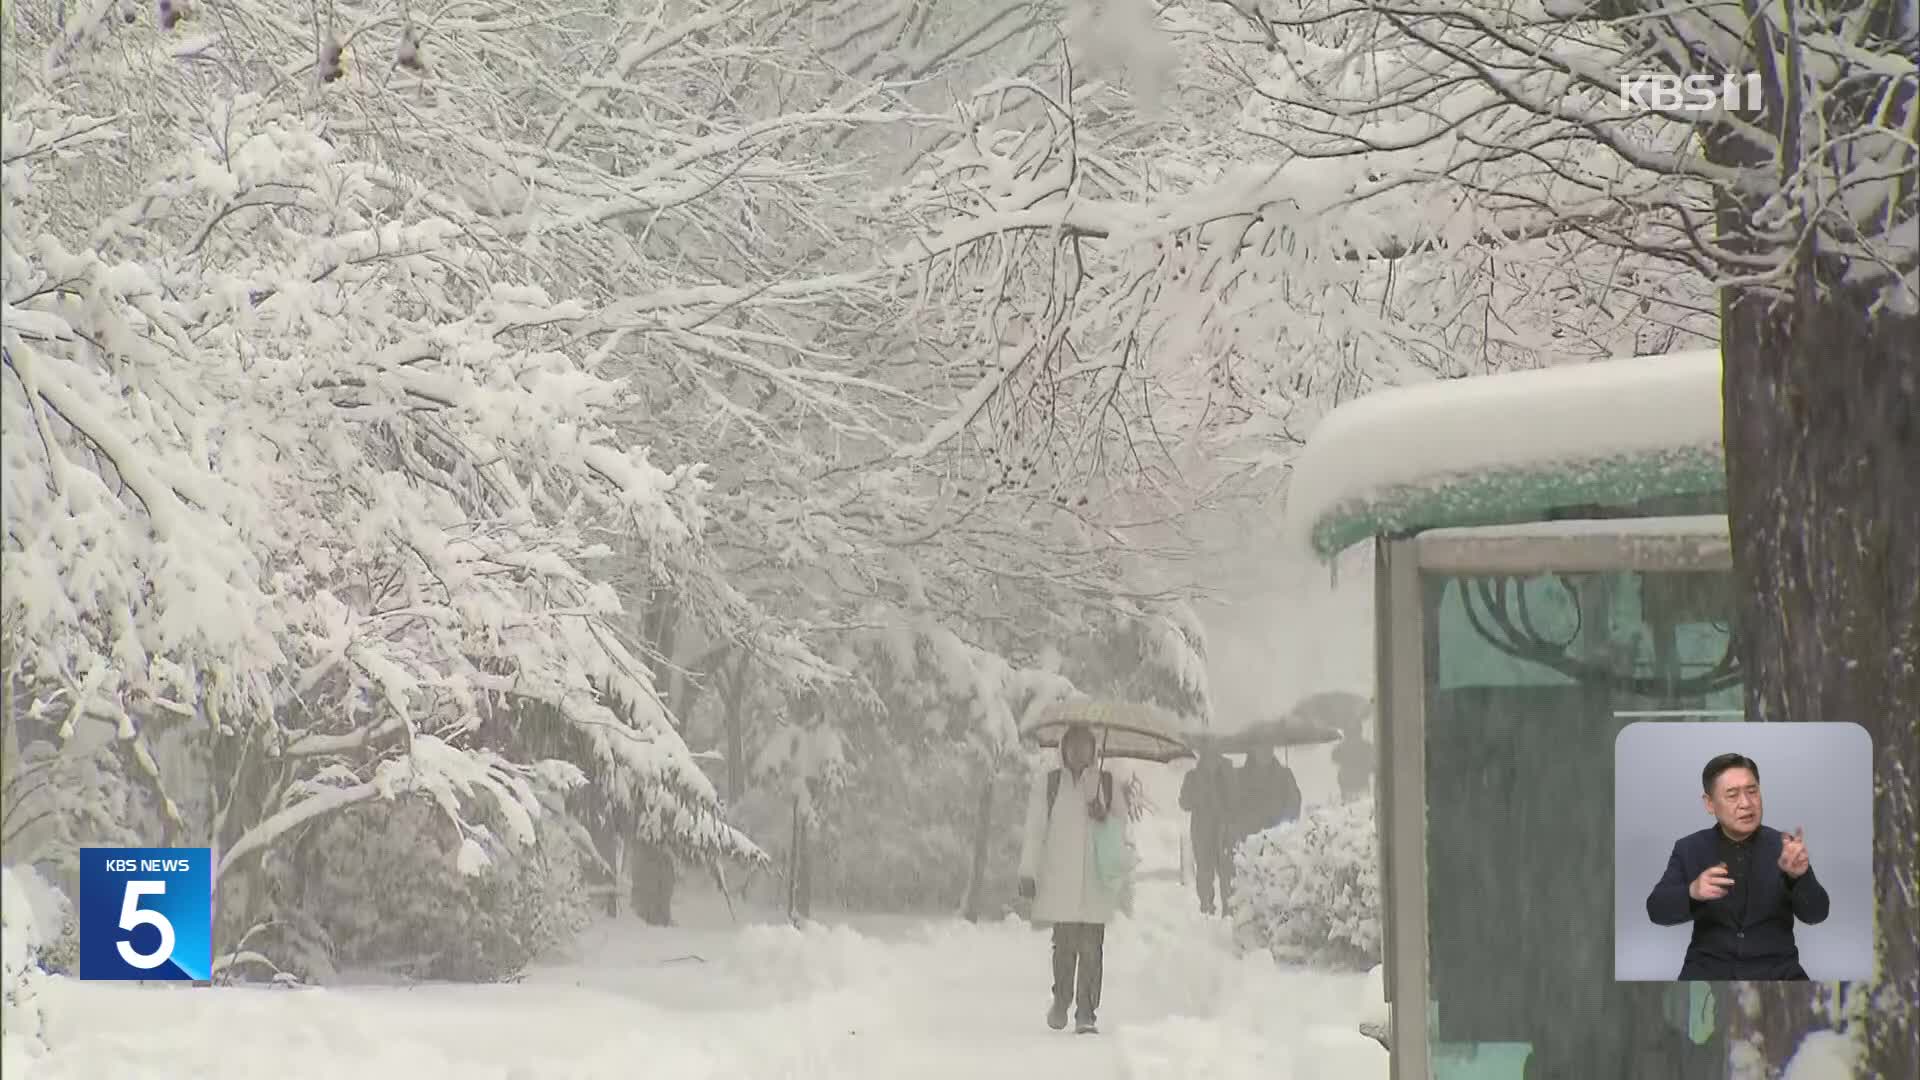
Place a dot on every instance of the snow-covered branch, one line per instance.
(1530, 105)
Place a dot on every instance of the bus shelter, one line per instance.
(1551, 564)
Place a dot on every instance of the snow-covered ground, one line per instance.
(874, 998)
(851, 998)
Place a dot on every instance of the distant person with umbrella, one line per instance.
(1207, 797)
(1269, 794)
(1064, 871)
(1353, 758)
(1347, 716)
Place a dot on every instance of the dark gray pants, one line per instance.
(1212, 862)
(1079, 953)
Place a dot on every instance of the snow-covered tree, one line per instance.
(316, 378)
(360, 328)
(1155, 297)
(1155, 656)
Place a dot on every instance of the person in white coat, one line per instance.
(1060, 873)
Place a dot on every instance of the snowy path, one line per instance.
(891, 998)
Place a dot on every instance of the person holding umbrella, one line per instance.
(1206, 795)
(1269, 795)
(1075, 827)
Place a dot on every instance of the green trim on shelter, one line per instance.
(1687, 480)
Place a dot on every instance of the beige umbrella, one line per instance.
(1121, 729)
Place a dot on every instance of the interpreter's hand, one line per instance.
(1794, 860)
(1712, 884)
(1028, 888)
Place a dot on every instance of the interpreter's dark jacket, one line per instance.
(1748, 933)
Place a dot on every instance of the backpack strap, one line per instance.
(1053, 790)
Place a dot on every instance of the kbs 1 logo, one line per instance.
(146, 913)
(1691, 93)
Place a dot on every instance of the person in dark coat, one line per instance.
(1353, 757)
(1207, 797)
(1291, 800)
(1740, 883)
(1269, 794)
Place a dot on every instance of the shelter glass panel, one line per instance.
(1530, 678)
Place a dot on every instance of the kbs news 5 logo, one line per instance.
(146, 913)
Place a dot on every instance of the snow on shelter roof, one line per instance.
(1521, 446)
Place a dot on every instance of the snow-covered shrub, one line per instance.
(21, 938)
(55, 938)
(393, 887)
(1309, 891)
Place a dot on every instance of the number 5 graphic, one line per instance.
(132, 915)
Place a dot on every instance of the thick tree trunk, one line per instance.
(803, 886)
(615, 850)
(663, 634)
(244, 783)
(800, 868)
(736, 726)
(686, 698)
(651, 882)
(982, 833)
(793, 866)
(1822, 405)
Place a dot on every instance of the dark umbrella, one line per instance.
(1287, 730)
(1334, 708)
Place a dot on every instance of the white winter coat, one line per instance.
(1057, 851)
